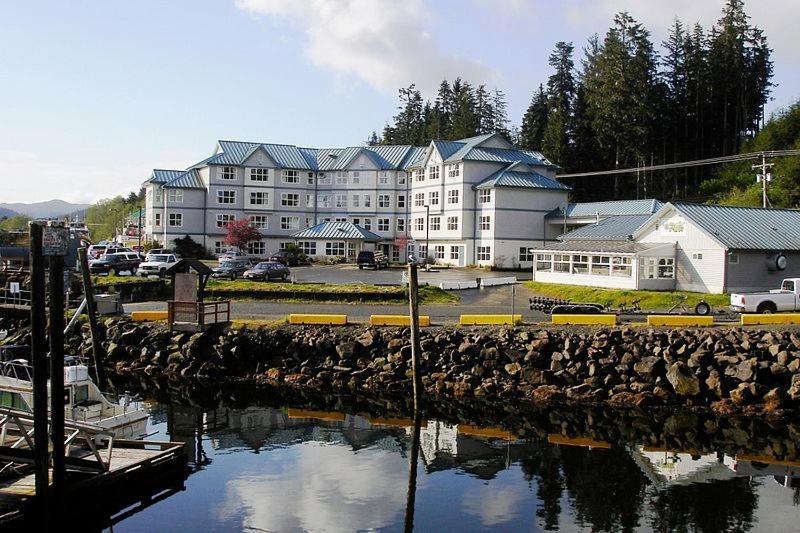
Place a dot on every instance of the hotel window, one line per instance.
(666, 267)
(621, 266)
(580, 264)
(486, 222)
(544, 262)
(433, 172)
(259, 174)
(658, 268)
(175, 196)
(308, 247)
(601, 265)
(290, 222)
(401, 200)
(324, 180)
(226, 197)
(419, 199)
(308, 222)
(383, 224)
(259, 221)
(219, 247)
(354, 200)
(384, 200)
(485, 196)
(157, 198)
(419, 224)
(452, 196)
(484, 253)
(368, 223)
(367, 200)
(324, 200)
(309, 200)
(157, 220)
(356, 176)
(340, 200)
(699, 257)
(383, 178)
(525, 254)
(176, 220)
(340, 219)
(433, 198)
(341, 178)
(452, 223)
(401, 225)
(223, 219)
(310, 178)
(290, 199)
(561, 263)
(455, 252)
(290, 176)
(334, 248)
(438, 251)
(453, 171)
(228, 173)
(419, 175)
(259, 198)
(357, 221)
(256, 247)
(436, 223)
(401, 178)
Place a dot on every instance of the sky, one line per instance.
(95, 94)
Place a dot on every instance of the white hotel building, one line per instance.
(474, 201)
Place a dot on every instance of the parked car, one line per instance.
(96, 250)
(267, 270)
(232, 268)
(285, 258)
(115, 263)
(113, 249)
(159, 251)
(227, 256)
(787, 298)
(156, 264)
(368, 258)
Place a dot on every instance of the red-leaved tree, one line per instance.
(240, 233)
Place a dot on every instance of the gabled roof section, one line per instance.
(189, 179)
(161, 175)
(743, 228)
(613, 228)
(609, 208)
(447, 148)
(519, 175)
(337, 230)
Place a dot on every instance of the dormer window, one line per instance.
(433, 172)
(228, 173)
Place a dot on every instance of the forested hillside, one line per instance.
(624, 102)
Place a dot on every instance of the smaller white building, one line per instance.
(335, 239)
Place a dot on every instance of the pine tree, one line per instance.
(560, 92)
(500, 114)
(534, 121)
(465, 121)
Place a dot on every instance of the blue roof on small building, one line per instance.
(514, 176)
(337, 230)
(609, 208)
(189, 179)
(613, 228)
(161, 175)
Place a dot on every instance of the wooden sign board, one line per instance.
(55, 241)
(185, 287)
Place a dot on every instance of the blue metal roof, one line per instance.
(514, 176)
(500, 155)
(447, 148)
(609, 208)
(745, 228)
(337, 230)
(189, 179)
(613, 228)
(161, 175)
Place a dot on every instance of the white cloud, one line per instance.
(386, 43)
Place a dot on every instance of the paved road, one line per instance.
(490, 300)
(351, 274)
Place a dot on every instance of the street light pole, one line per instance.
(427, 234)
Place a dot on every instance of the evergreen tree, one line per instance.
(465, 122)
(534, 121)
(500, 114)
(560, 91)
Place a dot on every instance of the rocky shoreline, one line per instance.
(726, 369)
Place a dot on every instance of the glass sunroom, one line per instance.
(611, 264)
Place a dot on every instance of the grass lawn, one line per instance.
(99, 281)
(615, 297)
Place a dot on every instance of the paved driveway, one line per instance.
(351, 274)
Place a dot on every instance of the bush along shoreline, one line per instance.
(725, 369)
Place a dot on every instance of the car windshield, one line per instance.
(159, 258)
(263, 266)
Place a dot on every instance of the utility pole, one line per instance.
(764, 177)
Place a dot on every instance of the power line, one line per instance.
(685, 164)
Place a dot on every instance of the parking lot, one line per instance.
(346, 274)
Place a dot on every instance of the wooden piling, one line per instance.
(56, 334)
(413, 307)
(91, 309)
(413, 458)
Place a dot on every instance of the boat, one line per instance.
(83, 400)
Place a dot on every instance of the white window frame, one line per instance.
(453, 196)
(259, 197)
(367, 200)
(433, 197)
(525, 254)
(175, 196)
(259, 174)
(335, 248)
(438, 251)
(484, 253)
(419, 224)
(228, 173)
(157, 219)
(401, 201)
(433, 172)
(340, 201)
(486, 222)
(290, 223)
(384, 200)
(455, 252)
(308, 247)
(452, 223)
(224, 218)
(256, 248)
(400, 224)
(453, 170)
(485, 196)
(175, 220)
(259, 221)
(290, 199)
(354, 200)
(226, 196)
(290, 176)
(419, 199)
(367, 224)
(435, 223)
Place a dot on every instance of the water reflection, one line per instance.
(288, 468)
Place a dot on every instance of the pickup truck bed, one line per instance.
(787, 298)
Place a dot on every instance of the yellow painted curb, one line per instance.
(148, 316)
(296, 318)
(679, 320)
(488, 320)
(605, 320)
(397, 320)
(784, 318)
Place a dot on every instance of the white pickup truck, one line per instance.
(156, 265)
(787, 298)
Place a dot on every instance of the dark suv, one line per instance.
(376, 260)
(115, 263)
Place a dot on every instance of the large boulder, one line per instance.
(683, 381)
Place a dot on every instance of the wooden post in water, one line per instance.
(39, 363)
(413, 308)
(411, 493)
(91, 310)
(56, 334)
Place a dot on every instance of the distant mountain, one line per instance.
(4, 212)
(48, 209)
